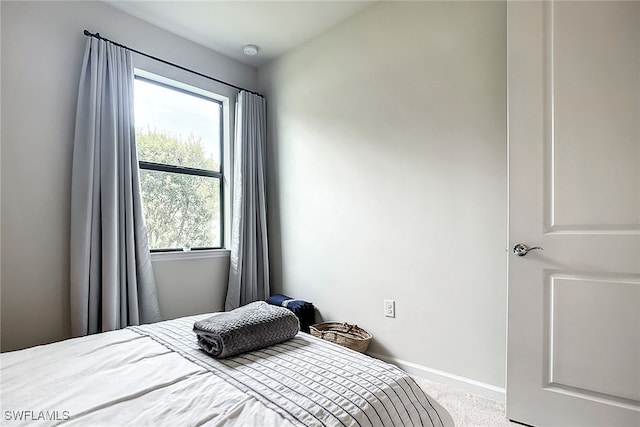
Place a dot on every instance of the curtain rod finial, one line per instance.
(96, 35)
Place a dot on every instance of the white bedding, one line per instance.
(155, 375)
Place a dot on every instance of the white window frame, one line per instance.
(203, 87)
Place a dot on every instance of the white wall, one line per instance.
(387, 180)
(190, 286)
(42, 49)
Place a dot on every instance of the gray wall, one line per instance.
(42, 49)
(387, 180)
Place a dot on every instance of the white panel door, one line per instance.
(574, 189)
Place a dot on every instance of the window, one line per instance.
(179, 141)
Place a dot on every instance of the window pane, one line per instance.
(181, 210)
(176, 128)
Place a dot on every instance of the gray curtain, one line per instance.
(249, 261)
(112, 283)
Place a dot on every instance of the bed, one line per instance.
(157, 375)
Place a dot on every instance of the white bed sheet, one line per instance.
(120, 378)
(125, 378)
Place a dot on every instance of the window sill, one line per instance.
(181, 255)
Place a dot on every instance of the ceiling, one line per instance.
(226, 26)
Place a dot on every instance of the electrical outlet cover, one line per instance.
(389, 308)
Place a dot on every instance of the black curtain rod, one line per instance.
(99, 37)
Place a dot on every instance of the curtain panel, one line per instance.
(249, 260)
(111, 283)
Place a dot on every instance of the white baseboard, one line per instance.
(461, 383)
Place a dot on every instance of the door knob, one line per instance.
(521, 249)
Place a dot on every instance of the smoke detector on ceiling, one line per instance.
(250, 50)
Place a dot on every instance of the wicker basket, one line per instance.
(350, 336)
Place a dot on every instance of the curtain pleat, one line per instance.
(112, 283)
(249, 260)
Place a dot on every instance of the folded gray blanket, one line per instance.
(251, 327)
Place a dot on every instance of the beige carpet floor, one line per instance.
(467, 409)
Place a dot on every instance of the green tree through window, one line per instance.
(181, 210)
(179, 145)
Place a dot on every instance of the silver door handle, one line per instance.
(521, 249)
